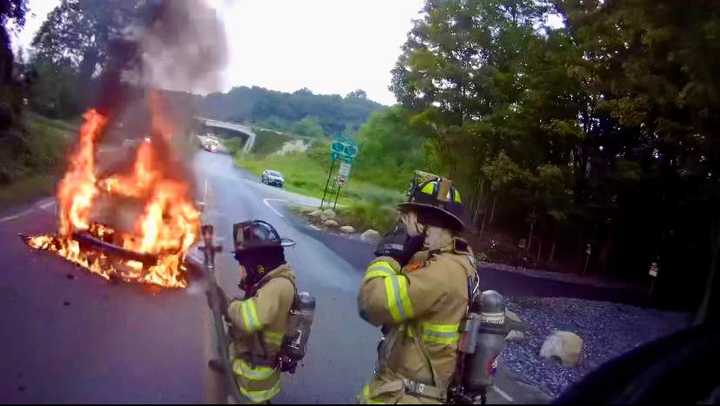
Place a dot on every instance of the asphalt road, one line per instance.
(69, 336)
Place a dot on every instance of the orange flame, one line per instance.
(169, 225)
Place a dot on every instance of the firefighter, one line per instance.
(258, 322)
(416, 289)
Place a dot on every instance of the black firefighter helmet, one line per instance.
(252, 235)
(438, 196)
(259, 249)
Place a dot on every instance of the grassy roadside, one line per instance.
(27, 189)
(37, 174)
(308, 177)
(364, 204)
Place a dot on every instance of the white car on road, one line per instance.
(272, 178)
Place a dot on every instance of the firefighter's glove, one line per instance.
(398, 245)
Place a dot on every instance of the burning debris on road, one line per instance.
(154, 251)
(135, 223)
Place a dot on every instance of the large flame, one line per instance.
(168, 226)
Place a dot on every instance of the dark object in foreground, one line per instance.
(87, 240)
(209, 249)
(671, 370)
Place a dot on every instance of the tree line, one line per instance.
(300, 112)
(81, 40)
(598, 129)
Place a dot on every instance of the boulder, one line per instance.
(370, 236)
(316, 213)
(329, 214)
(307, 210)
(347, 229)
(513, 316)
(330, 223)
(563, 345)
(515, 335)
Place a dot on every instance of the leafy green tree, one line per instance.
(309, 127)
(390, 144)
(80, 32)
(655, 159)
(495, 92)
(14, 144)
(262, 106)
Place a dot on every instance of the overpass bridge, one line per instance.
(217, 126)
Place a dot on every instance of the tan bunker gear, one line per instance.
(421, 307)
(259, 324)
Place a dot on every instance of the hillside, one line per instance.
(297, 112)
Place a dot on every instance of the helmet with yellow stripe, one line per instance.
(438, 196)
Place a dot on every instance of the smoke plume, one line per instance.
(183, 47)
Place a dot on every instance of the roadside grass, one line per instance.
(306, 176)
(27, 189)
(361, 204)
(364, 216)
(36, 174)
(268, 141)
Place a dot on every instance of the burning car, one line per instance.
(136, 226)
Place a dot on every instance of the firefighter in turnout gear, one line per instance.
(416, 289)
(258, 322)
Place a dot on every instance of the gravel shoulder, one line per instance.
(608, 330)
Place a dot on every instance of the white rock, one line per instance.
(513, 316)
(316, 213)
(370, 236)
(307, 210)
(515, 335)
(347, 229)
(329, 214)
(292, 147)
(331, 223)
(563, 345)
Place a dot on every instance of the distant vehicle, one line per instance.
(272, 178)
(210, 145)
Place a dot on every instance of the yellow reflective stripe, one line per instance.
(381, 265)
(398, 301)
(251, 322)
(259, 396)
(457, 197)
(378, 273)
(273, 338)
(435, 338)
(366, 396)
(259, 373)
(440, 333)
(404, 297)
(380, 269)
(253, 315)
(442, 328)
(245, 317)
(428, 189)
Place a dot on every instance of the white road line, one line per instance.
(503, 394)
(15, 216)
(47, 205)
(267, 203)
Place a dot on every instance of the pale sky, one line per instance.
(328, 46)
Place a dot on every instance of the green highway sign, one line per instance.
(344, 149)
